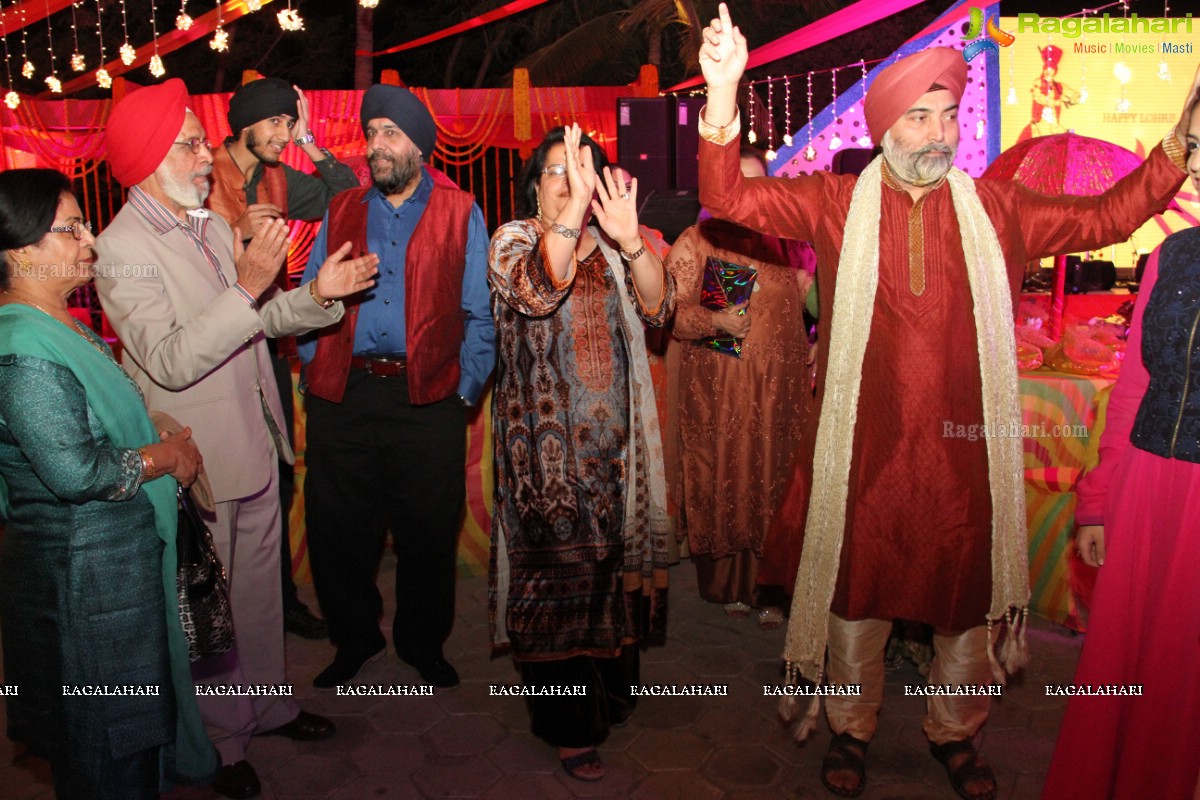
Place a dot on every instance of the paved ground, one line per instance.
(464, 743)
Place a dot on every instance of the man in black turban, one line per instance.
(251, 186)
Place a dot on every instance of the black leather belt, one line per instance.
(390, 367)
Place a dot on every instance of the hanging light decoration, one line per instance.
(865, 139)
(220, 39)
(11, 99)
(253, 5)
(156, 66)
(127, 51)
(368, 3)
(810, 152)
(290, 20)
(52, 80)
(184, 20)
(78, 63)
(770, 154)
(752, 136)
(103, 79)
(27, 68)
(835, 141)
(787, 112)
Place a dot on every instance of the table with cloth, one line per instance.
(1060, 414)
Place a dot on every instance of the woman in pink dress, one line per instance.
(1139, 518)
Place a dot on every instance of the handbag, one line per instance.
(725, 284)
(204, 610)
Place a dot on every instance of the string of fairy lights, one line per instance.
(756, 111)
(289, 19)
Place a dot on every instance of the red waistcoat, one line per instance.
(433, 274)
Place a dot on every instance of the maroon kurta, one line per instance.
(918, 524)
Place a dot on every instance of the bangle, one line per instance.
(635, 255)
(148, 471)
(1175, 151)
(564, 231)
(312, 291)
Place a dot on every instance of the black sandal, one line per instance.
(970, 769)
(572, 765)
(849, 755)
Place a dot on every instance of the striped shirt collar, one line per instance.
(160, 217)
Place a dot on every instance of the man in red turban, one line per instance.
(192, 306)
(908, 496)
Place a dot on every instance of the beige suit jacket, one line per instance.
(197, 349)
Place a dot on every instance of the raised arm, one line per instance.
(519, 271)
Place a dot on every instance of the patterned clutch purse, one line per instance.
(725, 284)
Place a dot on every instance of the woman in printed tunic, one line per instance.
(578, 559)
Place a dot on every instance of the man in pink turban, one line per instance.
(908, 498)
(193, 306)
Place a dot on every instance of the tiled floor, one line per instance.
(464, 743)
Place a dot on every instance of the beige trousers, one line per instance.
(856, 657)
(246, 534)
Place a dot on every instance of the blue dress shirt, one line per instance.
(380, 330)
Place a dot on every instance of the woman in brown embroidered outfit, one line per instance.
(578, 559)
(740, 419)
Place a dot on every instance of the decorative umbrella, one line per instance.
(1064, 163)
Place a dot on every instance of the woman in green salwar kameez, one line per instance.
(88, 611)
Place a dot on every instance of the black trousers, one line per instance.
(376, 462)
(582, 721)
(287, 474)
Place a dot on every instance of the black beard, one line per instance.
(252, 145)
(403, 172)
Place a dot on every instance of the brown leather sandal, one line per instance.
(970, 769)
(845, 754)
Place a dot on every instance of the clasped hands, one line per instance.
(259, 262)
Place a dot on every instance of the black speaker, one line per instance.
(1090, 276)
(644, 140)
(851, 161)
(669, 211)
(687, 141)
(1138, 271)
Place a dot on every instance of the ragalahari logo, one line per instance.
(994, 34)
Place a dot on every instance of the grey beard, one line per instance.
(186, 195)
(401, 174)
(910, 167)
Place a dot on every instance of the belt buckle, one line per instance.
(386, 367)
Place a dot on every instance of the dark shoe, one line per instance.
(237, 780)
(846, 754)
(964, 766)
(585, 766)
(305, 727)
(345, 666)
(299, 620)
(433, 669)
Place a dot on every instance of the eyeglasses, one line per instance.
(195, 143)
(555, 170)
(76, 229)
